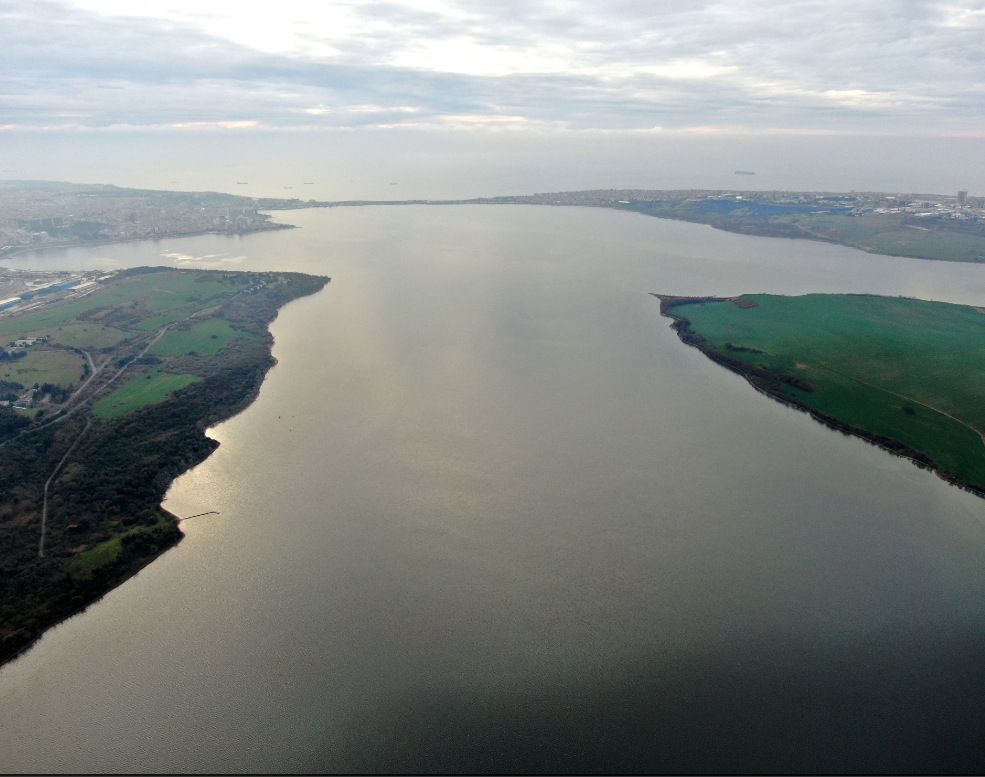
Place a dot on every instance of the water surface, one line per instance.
(489, 513)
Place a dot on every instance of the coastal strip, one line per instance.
(136, 374)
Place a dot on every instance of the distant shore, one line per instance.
(139, 239)
(917, 226)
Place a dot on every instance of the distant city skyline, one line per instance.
(903, 68)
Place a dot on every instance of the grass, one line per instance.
(104, 553)
(207, 338)
(147, 389)
(869, 358)
(108, 551)
(126, 291)
(46, 321)
(83, 335)
(949, 246)
(156, 322)
(888, 236)
(62, 368)
(162, 292)
(177, 290)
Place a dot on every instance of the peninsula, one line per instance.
(107, 384)
(904, 374)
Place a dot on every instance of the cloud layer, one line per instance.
(838, 65)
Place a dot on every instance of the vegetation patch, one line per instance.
(907, 374)
(101, 555)
(179, 289)
(128, 290)
(207, 338)
(157, 322)
(87, 335)
(888, 236)
(147, 389)
(60, 368)
(896, 234)
(108, 552)
(17, 327)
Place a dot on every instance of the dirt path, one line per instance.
(44, 503)
(908, 399)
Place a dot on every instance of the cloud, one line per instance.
(837, 65)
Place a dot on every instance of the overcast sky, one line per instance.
(678, 65)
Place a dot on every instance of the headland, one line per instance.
(903, 374)
(108, 382)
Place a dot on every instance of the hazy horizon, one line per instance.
(449, 164)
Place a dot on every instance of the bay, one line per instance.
(488, 513)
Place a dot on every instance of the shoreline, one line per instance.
(63, 584)
(132, 572)
(157, 239)
(769, 383)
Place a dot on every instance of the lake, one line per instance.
(488, 513)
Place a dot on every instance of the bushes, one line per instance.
(11, 422)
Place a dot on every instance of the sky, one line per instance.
(456, 99)
(879, 66)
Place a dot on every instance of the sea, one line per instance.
(489, 514)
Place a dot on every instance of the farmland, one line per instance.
(901, 370)
(59, 368)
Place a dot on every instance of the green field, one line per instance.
(205, 338)
(56, 317)
(888, 236)
(101, 555)
(109, 551)
(161, 292)
(61, 368)
(906, 369)
(147, 389)
(128, 290)
(44, 321)
(85, 335)
(176, 290)
(156, 322)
